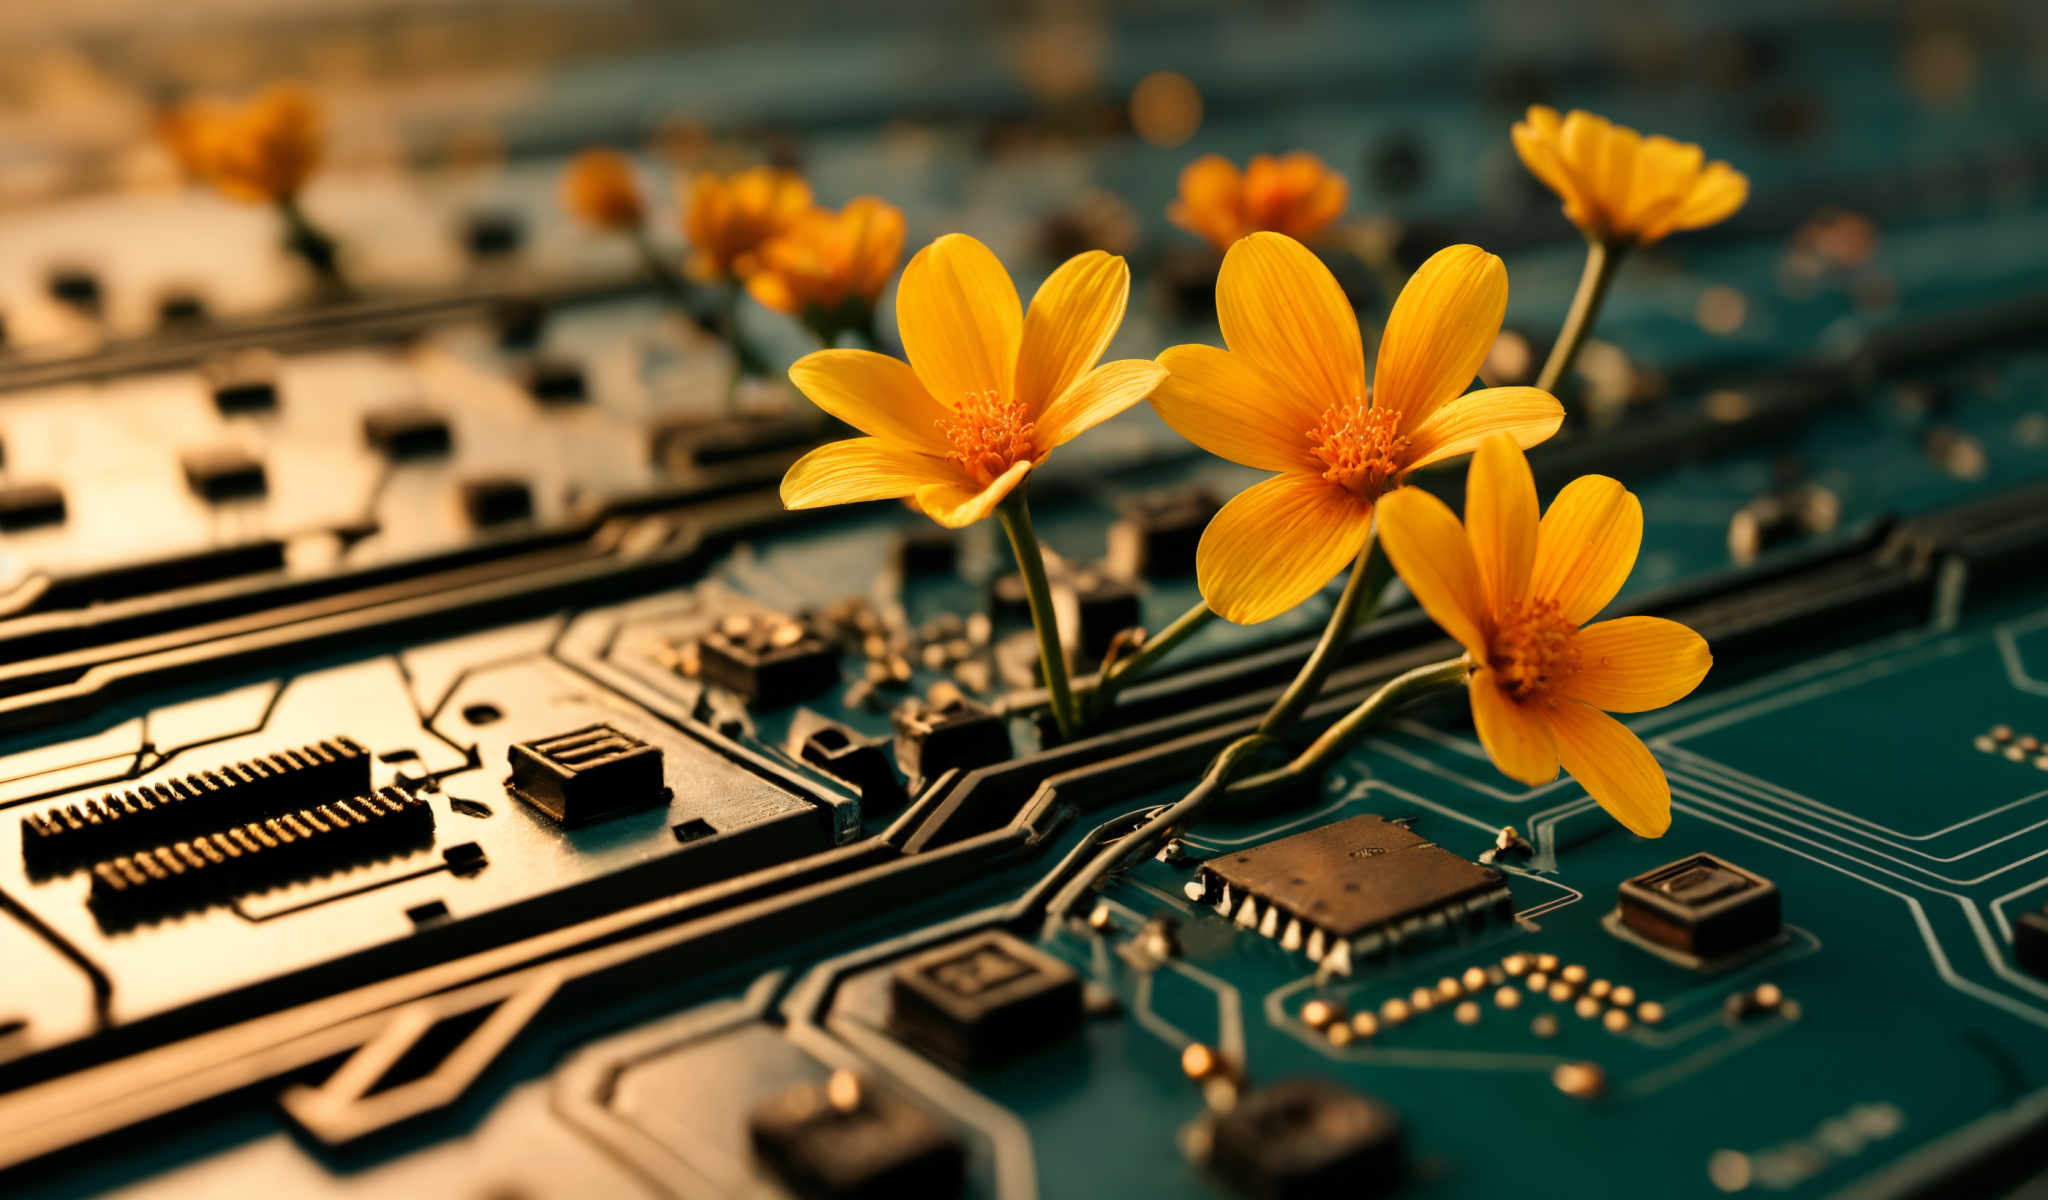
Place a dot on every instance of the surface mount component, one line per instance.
(844, 1139)
(1305, 1139)
(76, 286)
(1700, 908)
(983, 1000)
(772, 661)
(407, 431)
(1351, 888)
(496, 500)
(588, 774)
(1157, 532)
(213, 867)
(224, 473)
(491, 234)
(932, 551)
(2030, 941)
(74, 834)
(27, 505)
(556, 381)
(933, 739)
(245, 382)
(846, 754)
(1106, 607)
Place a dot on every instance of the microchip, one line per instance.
(588, 774)
(1700, 909)
(1355, 887)
(846, 1139)
(1303, 1139)
(982, 1000)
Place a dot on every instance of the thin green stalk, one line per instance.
(1360, 600)
(306, 240)
(664, 274)
(1015, 515)
(1402, 690)
(1603, 259)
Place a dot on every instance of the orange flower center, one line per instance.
(1533, 650)
(989, 435)
(1359, 447)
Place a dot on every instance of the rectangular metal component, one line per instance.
(1354, 876)
(1702, 906)
(588, 774)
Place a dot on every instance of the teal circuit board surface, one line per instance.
(606, 915)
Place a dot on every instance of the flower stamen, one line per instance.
(1359, 446)
(989, 434)
(1533, 650)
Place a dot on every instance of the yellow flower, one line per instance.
(1619, 186)
(1289, 395)
(598, 189)
(830, 258)
(264, 151)
(728, 218)
(184, 129)
(989, 390)
(1296, 195)
(1514, 592)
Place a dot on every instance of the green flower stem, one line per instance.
(306, 240)
(1361, 599)
(1396, 693)
(668, 277)
(1015, 515)
(1603, 259)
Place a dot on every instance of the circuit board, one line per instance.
(434, 762)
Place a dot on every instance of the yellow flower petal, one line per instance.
(876, 394)
(1522, 413)
(1439, 331)
(1281, 309)
(1515, 737)
(1094, 398)
(1210, 188)
(1613, 766)
(1223, 404)
(960, 320)
(1720, 191)
(1635, 664)
(1500, 521)
(958, 503)
(858, 469)
(1072, 318)
(1277, 544)
(1422, 538)
(1536, 141)
(1665, 173)
(1586, 546)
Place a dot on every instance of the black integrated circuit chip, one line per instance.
(1357, 886)
(1304, 1139)
(845, 1139)
(983, 1000)
(1701, 908)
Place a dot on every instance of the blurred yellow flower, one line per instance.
(829, 259)
(988, 392)
(183, 129)
(264, 151)
(1289, 395)
(1294, 194)
(598, 188)
(728, 218)
(1514, 592)
(1619, 186)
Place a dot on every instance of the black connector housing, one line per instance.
(588, 774)
(983, 1000)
